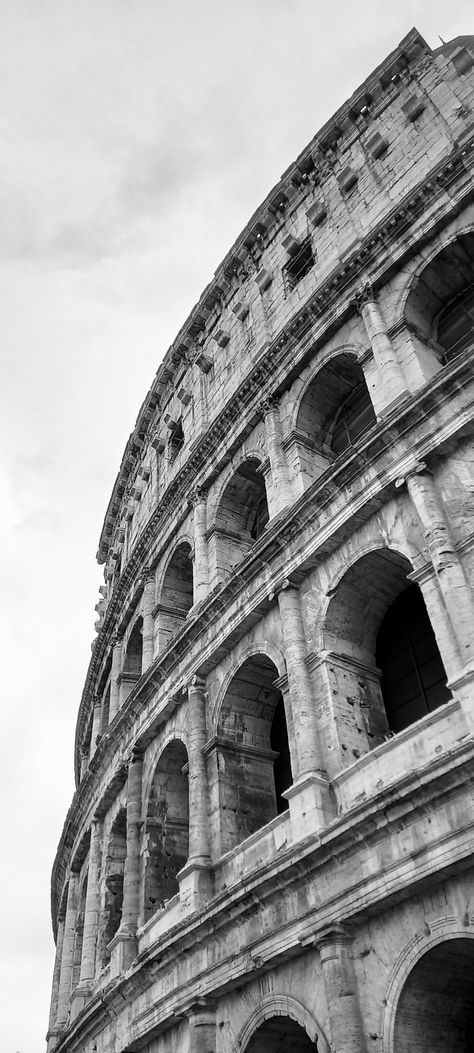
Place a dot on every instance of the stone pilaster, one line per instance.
(201, 560)
(124, 944)
(148, 603)
(194, 877)
(53, 1031)
(67, 955)
(279, 495)
(309, 795)
(115, 677)
(392, 387)
(201, 1017)
(341, 992)
(91, 920)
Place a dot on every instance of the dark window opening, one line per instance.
(282, 765)
(175, 441)
(413, 674)
(299, 264)
(354, 417)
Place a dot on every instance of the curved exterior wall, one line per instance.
(209, 894)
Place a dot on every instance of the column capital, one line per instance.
(415, 469)
(116, 638)
(147, 576)
(135, 756)
(197, 496)
(269, 404)
(196, 1005)
(199, 683)
(364, 295)
(287, 585)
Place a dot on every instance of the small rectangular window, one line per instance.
(299, 264)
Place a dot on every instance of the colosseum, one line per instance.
(270, 846)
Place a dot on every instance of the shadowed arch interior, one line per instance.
(114, 866)
(377, 623)
(166, 837)
(177, 594)
(243, 508)
(336, 408)
(134, 650)
(253, 742)
(435, 1011)
(280, 1034)
(440, 305)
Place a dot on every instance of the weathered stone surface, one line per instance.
(271, 840)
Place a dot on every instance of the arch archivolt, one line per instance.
(173, 734)
(282, 1005)
(352, 350)
(403, 284)
(245, 453)
(440, 930)
(259, 647)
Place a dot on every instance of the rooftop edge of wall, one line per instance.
(408, 52)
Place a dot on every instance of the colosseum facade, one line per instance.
(270, 843)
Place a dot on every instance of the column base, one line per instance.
(123, 951)
(311, 807)
(195, 883)
(79, 997)
(462, 686)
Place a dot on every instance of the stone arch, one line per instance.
(244, 454)
(324, 357)
(440, 291)
(166, 827)
(430, 981)
(154, 758)
(414, 268)
(262, 647)
(132, 659)
(333, 411)
(79, 928)
(383, 669)
(176, 592)
(250, 758)
(283, 1006)
(240, 515)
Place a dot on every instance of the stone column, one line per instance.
(280, 494)
(341, 993)
(456, 591)
(392, 382)
(148, 603)
(194, 877)
(114, 677)
(67, 956)
(201, 563)
(52, 1036)
(91, 920)
(309, 796)
(124, 944)
(448, 568)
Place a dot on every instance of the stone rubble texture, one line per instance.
(255, 858)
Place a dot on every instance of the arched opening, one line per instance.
(252, 756)
(373, 670)
(114, 866)
(435, 1011)
(281, 1034)
(134, 650)
(413, 674)
(176, 597)
(440, 307)
(334, 413)
(241, 517)
(166, 842)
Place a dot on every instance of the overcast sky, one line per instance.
(138, 138)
